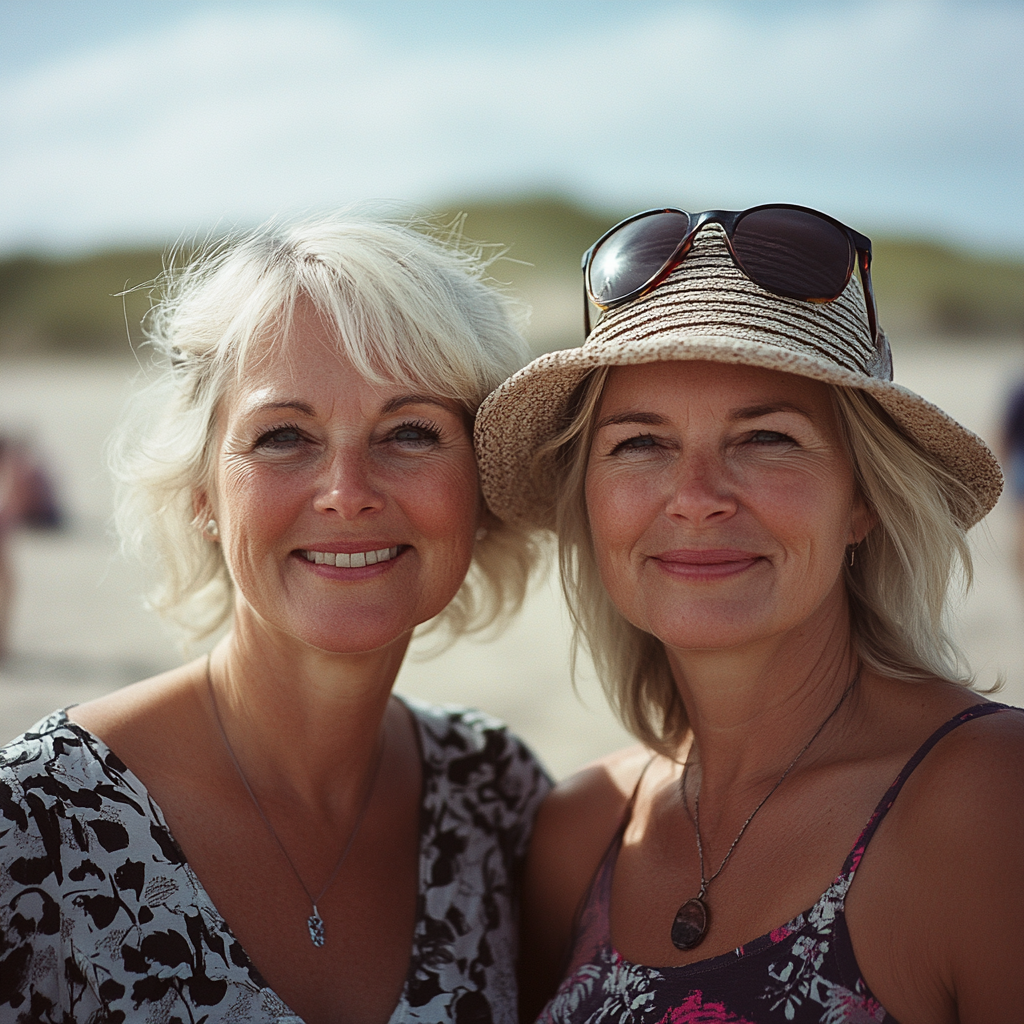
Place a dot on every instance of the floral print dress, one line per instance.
(804, 972)
(102, 919)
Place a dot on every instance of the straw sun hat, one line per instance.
(709, 310)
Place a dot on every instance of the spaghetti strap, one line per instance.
(884, 805)
(592, 922)
(627, 814)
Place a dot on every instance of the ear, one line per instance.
(862, 520)
(205, 515)
(486, 520)
(201, 506)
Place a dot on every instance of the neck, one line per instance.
(302, 722)
(752, 708)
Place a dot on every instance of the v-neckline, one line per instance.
(98, 745)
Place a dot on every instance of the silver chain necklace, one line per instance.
(314, 922)
(692, 919)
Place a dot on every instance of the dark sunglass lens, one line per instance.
(629, 258)
(793, 253)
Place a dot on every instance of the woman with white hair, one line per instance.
(267, 833)
(758, 533)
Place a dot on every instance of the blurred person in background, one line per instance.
(27, 498)
(13, 497)
(268, 833)
(758, 533)
(1012, 455)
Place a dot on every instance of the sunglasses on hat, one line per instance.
(787, 250)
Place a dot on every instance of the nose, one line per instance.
(701, 491)
(347, 487)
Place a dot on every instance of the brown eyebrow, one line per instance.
(400, 401)
(302, 407)
(391, 405)
(750, 412)
(649, 419)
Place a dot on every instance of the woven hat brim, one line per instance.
(529, 409)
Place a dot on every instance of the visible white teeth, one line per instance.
(355, 560)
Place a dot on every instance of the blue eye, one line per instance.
(771, 437)
(279, 437)
(417, 434)
(640, 442)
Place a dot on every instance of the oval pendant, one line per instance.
(690, 924)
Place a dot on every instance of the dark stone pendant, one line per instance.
(691, 924)
(316, 928)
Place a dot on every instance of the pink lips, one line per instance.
(708, 564)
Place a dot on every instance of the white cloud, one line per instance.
(886, 112)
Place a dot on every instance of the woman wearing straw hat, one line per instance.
(758, 531)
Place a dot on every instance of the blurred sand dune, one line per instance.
(79, 628)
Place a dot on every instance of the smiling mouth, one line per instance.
(351, 560)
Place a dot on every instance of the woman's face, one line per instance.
(720, 502)
(347, 510)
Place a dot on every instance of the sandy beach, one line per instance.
(79, 627)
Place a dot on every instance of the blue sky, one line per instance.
(145, 121)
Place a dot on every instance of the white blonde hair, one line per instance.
(401, 306)
(898, 587)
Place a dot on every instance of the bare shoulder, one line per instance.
(965, 800)
(581, 814)
(950, 850)
(576, 823)
(975, 767)
(140, 721)
(595, 797)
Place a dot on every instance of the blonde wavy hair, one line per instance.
(401, 306)
(898, 587)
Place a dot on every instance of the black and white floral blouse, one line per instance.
(102, 920)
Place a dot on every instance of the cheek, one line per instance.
(619, 504)
(258, 508)
(811, 513)
(615, 514)
(254, 498)
(447, 505)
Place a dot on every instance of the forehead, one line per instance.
(293, 350)
(306, 367)
(300, 354)
(720, 386)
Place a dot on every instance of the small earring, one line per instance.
(853, 551)
(212, 529)
(481, 532)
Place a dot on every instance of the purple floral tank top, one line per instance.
(804, 972)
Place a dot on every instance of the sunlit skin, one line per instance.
(721, 503)
(314, 457)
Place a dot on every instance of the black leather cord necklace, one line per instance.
(692, 919)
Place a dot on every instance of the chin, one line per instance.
(351, 643)
(720, 630)
(349, 633)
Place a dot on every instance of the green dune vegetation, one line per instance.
(95, 303)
